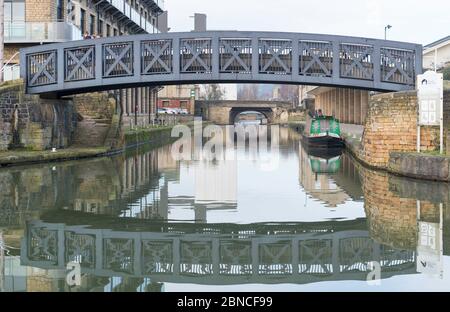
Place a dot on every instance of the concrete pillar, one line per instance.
(139, 99)
(340, 104)
(350, 104)
(147, 100)
(357, 106)
(128, 101)
(345, 106)
(364, 104)
(329, 103)
(123, 100)
(335, 103)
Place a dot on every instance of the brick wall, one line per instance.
(391, 126)
(40, 10)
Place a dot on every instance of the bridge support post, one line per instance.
(295, 256)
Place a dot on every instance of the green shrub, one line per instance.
(446, 72)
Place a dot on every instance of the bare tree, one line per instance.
(213, 92)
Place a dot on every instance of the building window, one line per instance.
(100, 28)
(60, 10)
(14, 11)
(183, 104)
(91, 24)
(108, 30)
(165, 103)
(83, 21)
(115, 32)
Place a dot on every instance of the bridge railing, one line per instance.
(221, 56)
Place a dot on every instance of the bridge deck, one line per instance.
(225, 57)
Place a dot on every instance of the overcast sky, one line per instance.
(415, 21)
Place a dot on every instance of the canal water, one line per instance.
(146, 222)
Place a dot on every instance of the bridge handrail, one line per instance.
(221, 56)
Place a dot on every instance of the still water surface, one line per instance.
(145, 222)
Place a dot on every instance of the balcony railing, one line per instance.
(134, 15)
(41, 32)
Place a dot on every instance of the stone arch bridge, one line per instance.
(225, 112)
(219, 57)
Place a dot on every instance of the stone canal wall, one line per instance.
(389, 140)
(29, 122)
(391, 126)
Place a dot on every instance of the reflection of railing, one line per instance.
(41, 32)
(211, 258)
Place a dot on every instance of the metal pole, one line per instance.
(135, 107)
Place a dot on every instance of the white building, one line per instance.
(437, 53)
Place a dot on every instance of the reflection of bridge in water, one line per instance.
(215, 254)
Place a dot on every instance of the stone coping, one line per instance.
(420, 166)
(11, 158)
(408, 164)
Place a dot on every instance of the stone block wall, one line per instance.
(391, 126)
(33, 123)
(447, 120)
(98, 105)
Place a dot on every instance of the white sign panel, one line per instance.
(429, 254)
(430, 88)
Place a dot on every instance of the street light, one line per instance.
(385, 31)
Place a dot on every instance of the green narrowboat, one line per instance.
(323, 132)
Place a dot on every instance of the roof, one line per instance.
(440, 41)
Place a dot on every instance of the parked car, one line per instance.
(168, 111)
(172, 111)
(184, 111)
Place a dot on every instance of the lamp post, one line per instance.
(385, 31)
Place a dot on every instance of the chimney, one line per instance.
(199, 22)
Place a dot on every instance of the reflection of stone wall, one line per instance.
(391, 206)
(34, 123)
(24, 193)
(391, 126)
(392, 220)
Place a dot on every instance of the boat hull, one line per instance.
(324, 142)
